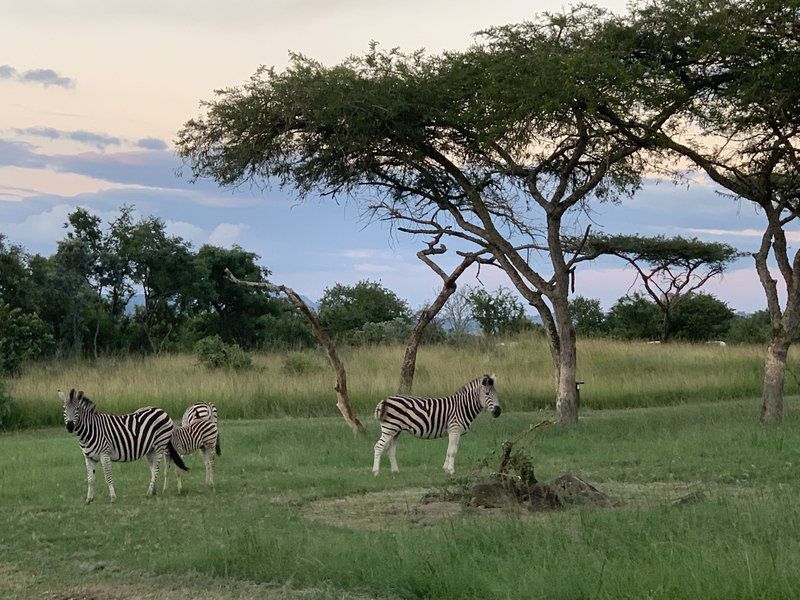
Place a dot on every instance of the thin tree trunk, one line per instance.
(412, 344)
(666, 326)
(342, 398)
(774, 376)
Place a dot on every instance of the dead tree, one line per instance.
(449, 285)
(342, 399)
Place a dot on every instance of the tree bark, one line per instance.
(774, 376)
(342, 398)
(566, 392)
(666, 326)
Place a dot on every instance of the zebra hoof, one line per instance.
(113, 499)
(376, 473)
(89, 501)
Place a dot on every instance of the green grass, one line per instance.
(617, 374)
(253, 535)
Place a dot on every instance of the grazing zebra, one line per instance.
(200, 434)
(201, 410)
(433, 418)
(120, 438)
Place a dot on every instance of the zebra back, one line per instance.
(201, 410)
(432, 417)
(124, 437)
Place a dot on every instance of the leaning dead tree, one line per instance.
(342, 399)
(449, 286)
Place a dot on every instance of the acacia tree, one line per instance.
(494, 146)
(669, 268)
(735, 65)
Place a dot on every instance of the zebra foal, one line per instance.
(433, 418)
(106, 438)
(200, 434)
(202, 410)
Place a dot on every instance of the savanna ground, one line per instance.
(296, 512)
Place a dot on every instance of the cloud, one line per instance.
(151, 143)
(7, 71)
(225, 234)
(189, 232)
(20, 154)
(100, 140)
(360, 253)
(45, 77)
(793, 236)
(40, 228)
(372, 268)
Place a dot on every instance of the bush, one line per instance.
(213, 353)
(6, 407)
(396, 330)
(750, 329)
(22, 337)
(300, 363)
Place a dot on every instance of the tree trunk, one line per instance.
(342, 398)
(774, 375)
(412, 344)
(566, 392)
(666, 326)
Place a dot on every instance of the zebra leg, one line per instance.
(393, 454)
(452, 448)
(208, 455)
(154, 458)
(166, 470)
(380, 445)
(91, 465)
(105, 460)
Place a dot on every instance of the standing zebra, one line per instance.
(433, 418)
(202, 410)
(120, 438)
(200, 434)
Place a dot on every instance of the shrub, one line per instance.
(23, 337)
(213, 353)
(6, 408)
(300, 363)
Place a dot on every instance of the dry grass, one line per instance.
(617, 374)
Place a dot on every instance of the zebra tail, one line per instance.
(176, 458)
(217, 447)
(380, 410)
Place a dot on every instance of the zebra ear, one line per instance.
(72, 393)
(488, 380)
(80, 395)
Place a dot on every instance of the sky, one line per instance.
(92, 94)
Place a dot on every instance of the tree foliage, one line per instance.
(345, 309)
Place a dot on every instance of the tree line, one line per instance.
(500, 146)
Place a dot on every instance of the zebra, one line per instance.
(105, 438)
(433, 418)
(201, 410)
(200, 434)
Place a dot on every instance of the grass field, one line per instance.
(297, 514)
(617, 375)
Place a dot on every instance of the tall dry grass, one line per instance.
(617, 374)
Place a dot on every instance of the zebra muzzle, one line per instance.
(496, 411)
(70, 426)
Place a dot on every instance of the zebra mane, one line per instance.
(86, 404)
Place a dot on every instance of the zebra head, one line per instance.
(71, 404)
(489, 395)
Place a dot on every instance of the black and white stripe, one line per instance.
(106, 438)
(433, 418)
(200, 434)
(201, 410)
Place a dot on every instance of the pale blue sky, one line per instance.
(92, 93)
